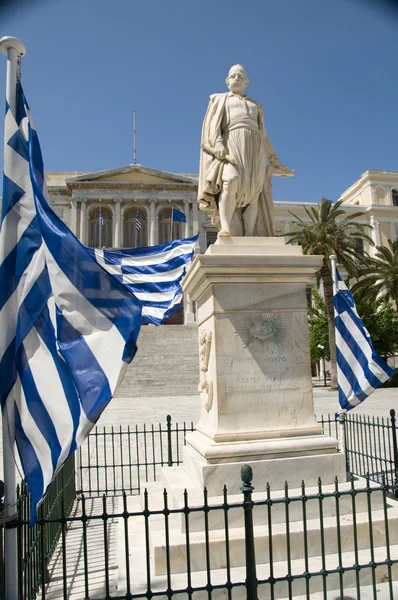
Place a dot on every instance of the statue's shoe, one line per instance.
(224, 233)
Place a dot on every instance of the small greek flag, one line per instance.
(101, 220)
(177, 215)
(68, 329)
(153, 274)
(360, 370)
(137, 221)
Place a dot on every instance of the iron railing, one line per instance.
(286, 545)
(37, 544)
(116, 462)
(113, 460)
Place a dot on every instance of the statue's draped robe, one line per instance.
(250, 150)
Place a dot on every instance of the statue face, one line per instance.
(237, 81)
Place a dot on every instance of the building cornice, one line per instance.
(134, 185)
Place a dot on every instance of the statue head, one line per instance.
(237, 79)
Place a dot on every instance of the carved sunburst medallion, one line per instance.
(262, 331)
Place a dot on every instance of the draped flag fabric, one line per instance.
(153, 274)
(360, 370)
(67, 329)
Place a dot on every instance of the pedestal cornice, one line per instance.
(272, 261)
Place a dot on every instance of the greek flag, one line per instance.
(360, 370)
(137, 221)
(67, 329)
(153, 274)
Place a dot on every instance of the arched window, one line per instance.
(135, 228)
(167, 230)
(394, 197)
(100, 227)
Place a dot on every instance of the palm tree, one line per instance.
(379, 275)
(331, 231)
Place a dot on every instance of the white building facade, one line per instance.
(131, 207)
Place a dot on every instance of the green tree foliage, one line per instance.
(319, 333)
(379, 275)
(381, 321)
(330, 230)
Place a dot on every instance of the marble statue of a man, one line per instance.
(235, 179)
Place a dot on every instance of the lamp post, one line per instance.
(322, 349)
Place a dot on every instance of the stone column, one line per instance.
(195, 223)
(83, 209)
(375, 234)
(116, 223)
(187, 216)
(393, 232)
(287, 226)
(373, 195)
(153, 230)
(73, 216)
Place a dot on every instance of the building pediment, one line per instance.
(131, 174)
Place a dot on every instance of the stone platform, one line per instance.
(257, 408)
(256, 388)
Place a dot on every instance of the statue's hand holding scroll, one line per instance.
(220, 151)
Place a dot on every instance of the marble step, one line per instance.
(176, 482)
(280, 569)
(177, 550)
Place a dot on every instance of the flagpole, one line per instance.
(171, 226)
(333, 259)
(135, 139)
(341, 415)
(14, 49)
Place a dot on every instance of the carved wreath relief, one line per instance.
(205, 386)
(262, 331)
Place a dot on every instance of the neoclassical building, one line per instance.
(128, 207)
(103, 208)
(131, 207)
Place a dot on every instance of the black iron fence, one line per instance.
(287, 545)
(37, 544)
(77, 528)
(115, 460)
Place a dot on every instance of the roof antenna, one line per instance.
(135, 140)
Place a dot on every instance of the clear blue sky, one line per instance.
(324, 70)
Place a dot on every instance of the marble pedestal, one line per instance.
(255, 375)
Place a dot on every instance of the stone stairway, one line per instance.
(166, 363)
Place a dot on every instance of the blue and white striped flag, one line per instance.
(67, 329)
(360, 370)
(137, 221)
(153, 274)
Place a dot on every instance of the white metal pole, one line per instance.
(135, 140)
(14, 49)
(333, 260)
